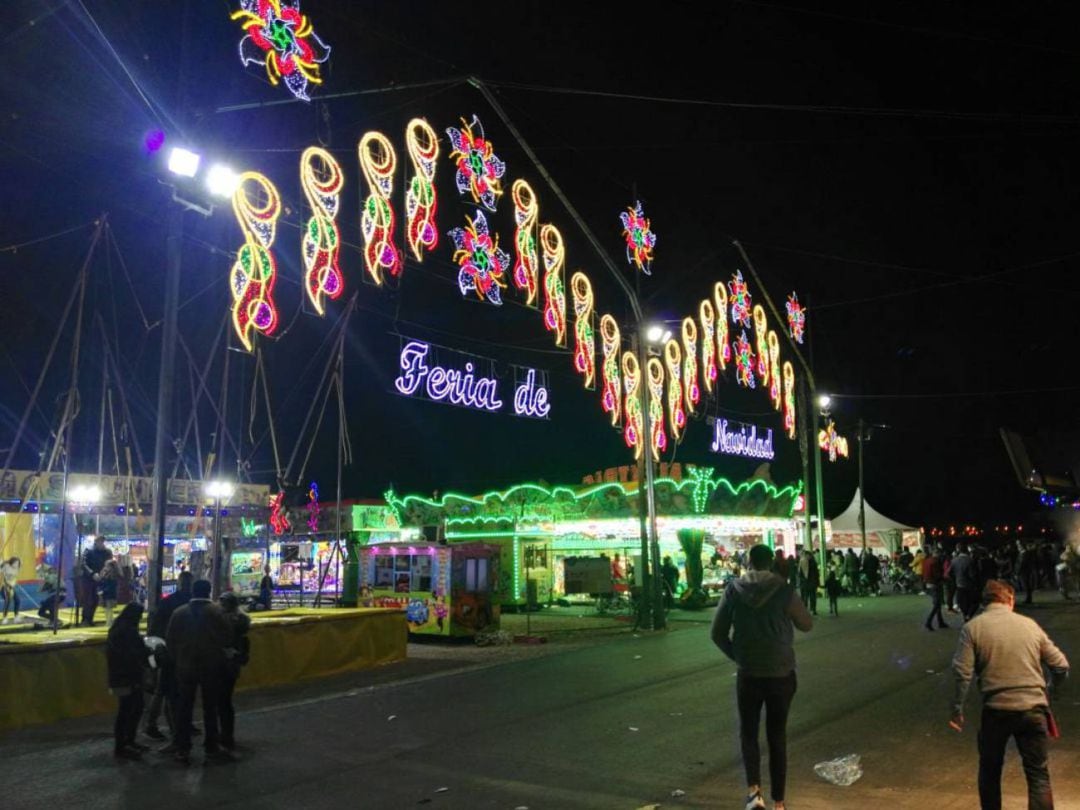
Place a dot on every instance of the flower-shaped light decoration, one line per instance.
(832, 442)
(796, 317)
(640, 240)
(279, 37)
(744, 362)
(478, 169)
(741, 304)
(483, 263)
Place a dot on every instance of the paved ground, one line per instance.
(597, 718)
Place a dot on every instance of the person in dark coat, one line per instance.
(237, 654)
(127, 658)
(809, 580)
(165, 691)
(197, 637)
(93, 562)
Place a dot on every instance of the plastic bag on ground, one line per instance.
(843, 771)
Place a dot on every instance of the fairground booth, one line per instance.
(537, 529)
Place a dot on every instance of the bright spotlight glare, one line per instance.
(221, 181)
(183, 162)
(824, 401)
(655, 333)
(220, 489)
(83, 493)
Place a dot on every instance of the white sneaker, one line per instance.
(755, 801)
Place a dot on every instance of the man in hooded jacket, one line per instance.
(753, 627)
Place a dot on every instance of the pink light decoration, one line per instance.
(421, 200)
(322, 180)
(761, 338)
(796, 318)
(744, 362)
(723, 342)
(611, 342)
(690, 367)
(707, 316)
(676, 411)
(774, 370)
(584, 338)
(632, 430)
(526, 263)
(551, 245)
(658, 435)
(741, 304)
(478, 169)
(378, 161)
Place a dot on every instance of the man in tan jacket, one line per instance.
(1007, 652)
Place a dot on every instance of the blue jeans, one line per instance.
(1029, 729)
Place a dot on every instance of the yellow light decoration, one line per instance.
(675, 394)
(691, 386)
(378, 161)
(611, 342)
(526, 262)
(584, 337)
(761, 339)
(254, 273)
(707, 316)
(789, 399)
(632, 383)
(774, 370)
(657, 433)
(832, 442)
(551, 244)
(723, 342)
(420, 199)
(322, 180)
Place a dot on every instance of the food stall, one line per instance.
(536, 528)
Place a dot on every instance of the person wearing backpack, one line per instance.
(237, 654)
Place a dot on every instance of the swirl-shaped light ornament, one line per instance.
(775, 392)
(611, 343)
(420, 199)
(761, 340)
(378, 161)
(632, 429)
(707, 317)
(654, 370)
(322, 180)
(789, 399)
(554, 253)
(584, 337)
(254, 272)
(675, 395)
(526, 261)
(723, 341)
(691, 386)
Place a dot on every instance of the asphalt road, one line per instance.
(615, 721)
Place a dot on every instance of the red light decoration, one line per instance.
(796, 317)
(741, 304)
(611, 342)
(282, 40)
(832, 442)
(526, 264)
(789, 399)
(640, 240)
(551, 245)
(279, 520)
(377, 162)
(675, 395)
(707, 316)
(744, 362)
(322, 180)
(584, 337)
(483, 263)
(254, 272)
(658, 435)
(421, 200)
(775, 387)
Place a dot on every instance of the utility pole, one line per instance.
(862, 496)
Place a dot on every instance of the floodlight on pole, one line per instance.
(220, 490)
(221, 181)
(84, 494)
(824, 401)
(656, 333)
(183, 162)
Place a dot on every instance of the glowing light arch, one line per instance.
(254, 272)
(322, 180)
(584, 338)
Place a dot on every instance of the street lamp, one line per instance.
(84, 495)
(824, 401)
(657, 334)
(219, 491)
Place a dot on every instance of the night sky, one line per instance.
(910, 169)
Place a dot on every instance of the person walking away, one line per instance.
(110, 582)
(933, 576)
(1027, 567)
(127, 658)
(753, 627)
(871, 571)
(1008, 652)
(947, 581)
(94, 560)
(9, 584)
(964, 575)
(165, 687)
(237, 654)
(670, 574)
(851, 572)
(197, 637)
(809, 580)
(832, 589)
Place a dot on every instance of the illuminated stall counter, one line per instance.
(536, 528)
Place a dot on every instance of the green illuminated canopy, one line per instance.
(701, 493)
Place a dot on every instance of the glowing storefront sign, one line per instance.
(746, 441)
(465, 387)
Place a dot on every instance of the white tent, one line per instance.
(881, 532)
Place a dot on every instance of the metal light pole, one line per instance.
(219, 491)
(862, 497)
(652, 586)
